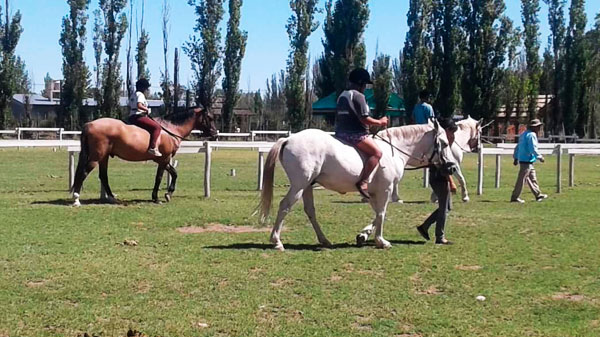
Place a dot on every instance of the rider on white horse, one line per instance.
(352, 124)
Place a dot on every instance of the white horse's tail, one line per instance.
(266, 197)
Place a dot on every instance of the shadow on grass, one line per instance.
(307, 247)
(69, 202)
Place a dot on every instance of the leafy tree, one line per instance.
(235, 48)
(114, 26)
(205, 51)
(556, 20)
(382, 83)
(344, 48)
(75, 71)
(10, 33)
(416, 55)
(300, 25)
(574, 93)
(487, 33)
(530, 10)
(98, 49)
(165, 80)
(142, 54)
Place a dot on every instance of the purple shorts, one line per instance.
(352, 138)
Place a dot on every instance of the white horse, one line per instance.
(313, 156)
(466, 139)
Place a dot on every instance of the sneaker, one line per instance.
(519, 200)
(154, 152)
(443, 242)
(541, 197)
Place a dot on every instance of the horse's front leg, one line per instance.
(309, 209)
(395, 197)
(171, 189)
(463, 184)
(379, 202)
(157, 180)
(363, 236)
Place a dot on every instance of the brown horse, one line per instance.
(111, 137)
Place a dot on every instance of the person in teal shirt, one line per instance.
(423, 111)
(526, 154)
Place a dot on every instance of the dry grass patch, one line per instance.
(36, 284)
(462, 267)
(568, 297)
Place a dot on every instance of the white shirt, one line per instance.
(137, 97)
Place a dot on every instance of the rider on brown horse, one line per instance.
(139, 112)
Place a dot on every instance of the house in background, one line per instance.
(512, 123)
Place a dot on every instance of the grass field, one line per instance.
(65, 271)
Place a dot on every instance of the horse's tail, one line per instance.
(266, 197)
(83, 158)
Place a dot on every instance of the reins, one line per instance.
(405, 153)
(169, 132)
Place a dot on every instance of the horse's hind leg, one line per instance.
(104, 181)
(159, 175)
(79, 179)
(309, 209)
(171, 188)
(285, 205)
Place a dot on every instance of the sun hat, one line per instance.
(535, 122)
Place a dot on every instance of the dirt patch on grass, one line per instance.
(220, 228)
(568, 297)
(432, 290)
(461, 267)
(36, 283)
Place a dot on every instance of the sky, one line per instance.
(264, 20)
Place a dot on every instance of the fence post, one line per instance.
(71, 169)
(261, 169)
(498, 170)
(480, 173)
(207, 165)
(558, 150)
(571, 170)
(252, 136)
(425, 177)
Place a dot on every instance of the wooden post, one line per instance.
(498, 170)
(207, 165)
(480, 173)
(252, 134)
(71, 169)
(571, 170)
(558, 168)
(261, 169)
(425, 177)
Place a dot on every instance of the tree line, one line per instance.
(468, 53)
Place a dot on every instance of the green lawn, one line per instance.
(65, 271)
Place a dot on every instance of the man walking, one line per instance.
(440, 184)
(526, 153)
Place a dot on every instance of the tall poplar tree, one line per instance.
(382, 83)
(299, 27)
(487, 34)
(142, 44)
(114, 28)
(556, 20)
(10, 33)
(574, 92)
(75, 72)
(344, 47)
(531, 27)
(235, 48)
(205, 50)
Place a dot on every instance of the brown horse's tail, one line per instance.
(268, 179)
(83, 159)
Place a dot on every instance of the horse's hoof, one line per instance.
(383, 244)
(156, 201)
(168, 197)
(361, 240)
(76, 203)
(399, 201)
(279, 247)
(466, 199)
(326, 244)
(364, 200)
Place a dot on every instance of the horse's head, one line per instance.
(206, 123)
(441, 154)
(471, 131)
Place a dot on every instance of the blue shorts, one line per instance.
(352, 138)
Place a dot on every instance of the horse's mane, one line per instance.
(178, 118)
(408, 133)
